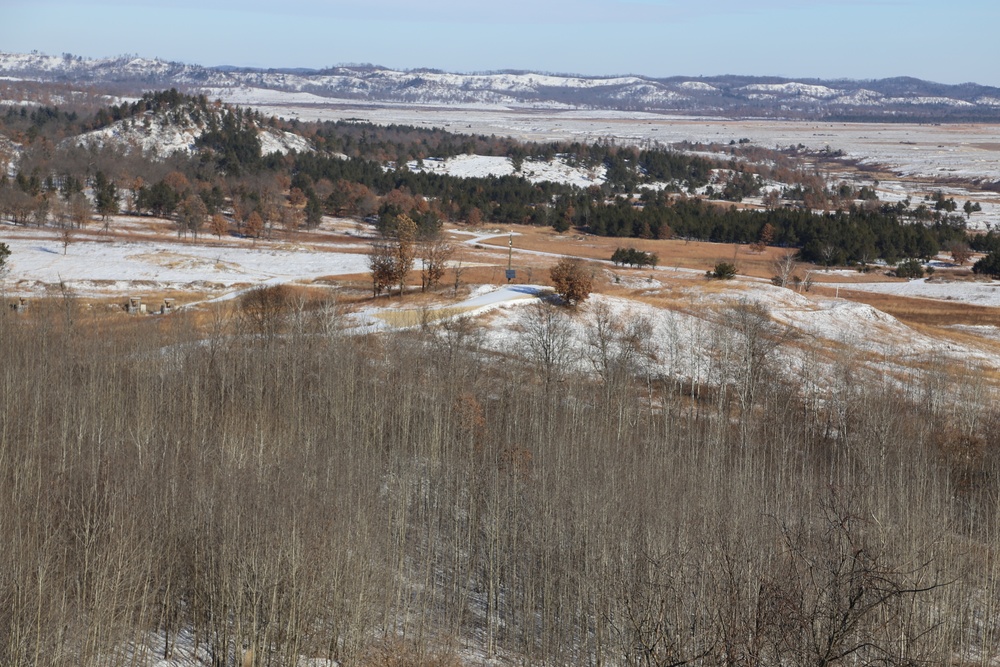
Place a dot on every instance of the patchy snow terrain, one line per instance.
(161, 135)
(915, 153)
(470, 166)
(976, 293)
(692, 344)
(690, 339)
(116, 267)
(958, 151)
(98, 266)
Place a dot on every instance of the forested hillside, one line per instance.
(301, 493)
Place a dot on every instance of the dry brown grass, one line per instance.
(412, 317)
(697, 255)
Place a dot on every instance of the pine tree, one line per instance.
(105, 195)
(4, 254)
(314, 212)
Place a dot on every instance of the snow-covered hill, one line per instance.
(165, 134)
(731, 95)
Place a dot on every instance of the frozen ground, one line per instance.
(976, 293)
(97, 267)
(381, 316)
(698, 341)
(488, 296)
(186, 652)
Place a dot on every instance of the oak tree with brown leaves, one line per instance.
(573, 280)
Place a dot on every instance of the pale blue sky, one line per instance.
(950, 42)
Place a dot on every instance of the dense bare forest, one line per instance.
(268, 488)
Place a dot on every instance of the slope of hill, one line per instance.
(163, 124)
(897, 98)
(163, 137)
(10, 153)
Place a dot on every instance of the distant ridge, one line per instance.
(892, 99)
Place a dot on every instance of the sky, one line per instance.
(949, 42)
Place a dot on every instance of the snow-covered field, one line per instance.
(976, 293)
(115, 267)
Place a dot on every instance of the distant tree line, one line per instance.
(854, 236)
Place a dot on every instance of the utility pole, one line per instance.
(510, 256)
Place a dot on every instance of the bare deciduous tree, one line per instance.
(382, 266)
(263, 309)
(548, 336)
(80, 209)
(784, 267)
(960, 252)
(172, 492)
(757, 337)
(434, 255)
(191, 215)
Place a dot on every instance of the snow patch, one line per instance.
(101, 267)
(481, 166)
(276, 141)
(794, 88)
(972, 292)
(697, 85)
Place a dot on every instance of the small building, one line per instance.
(20, 305)
(135, 306)
(168, 306)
